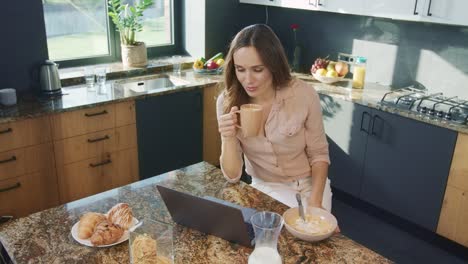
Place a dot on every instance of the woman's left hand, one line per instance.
(319, 205)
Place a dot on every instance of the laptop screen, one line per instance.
(210, 215)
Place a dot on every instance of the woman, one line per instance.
(290, 154)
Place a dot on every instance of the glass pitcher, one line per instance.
(267, 227)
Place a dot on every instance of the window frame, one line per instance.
(113, 39)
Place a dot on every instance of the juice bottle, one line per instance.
(359, 74)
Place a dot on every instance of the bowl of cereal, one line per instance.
(319, 224)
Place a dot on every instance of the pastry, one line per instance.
(121, 215)
(144, 250)
(87, 224)
(106, 233)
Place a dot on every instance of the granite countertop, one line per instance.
(370, 96)
(78, 96)
(44, 237)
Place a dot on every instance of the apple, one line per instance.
(212, 65)
(331, 66)
(220, 62)
(341, 68)
(332, 73)
(321, 72)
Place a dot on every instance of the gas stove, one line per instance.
(432, 106)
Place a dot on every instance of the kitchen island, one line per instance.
(44, 237)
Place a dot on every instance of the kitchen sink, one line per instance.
(149, 85)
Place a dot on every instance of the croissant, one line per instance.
(106, 233)
(87, 224)
(121, 214)
(144, 250)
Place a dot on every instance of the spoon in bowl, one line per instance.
(301, 207)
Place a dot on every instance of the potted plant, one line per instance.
(128, 20)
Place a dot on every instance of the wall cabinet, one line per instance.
(412, 10)
(169, 131)
(397, 164)
(28, 181)
(434, 11)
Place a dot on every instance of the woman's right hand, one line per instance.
(227, 124)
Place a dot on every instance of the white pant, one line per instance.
(286, 192)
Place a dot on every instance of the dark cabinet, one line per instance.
(406, 168)
(169, 129)
(395, 163)
(347, 142)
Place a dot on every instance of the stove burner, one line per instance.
(436, 106)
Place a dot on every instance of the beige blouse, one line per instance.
(295, 138)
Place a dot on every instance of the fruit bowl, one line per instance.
(209, 72)
(327, 80)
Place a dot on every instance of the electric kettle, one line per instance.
(49, 78)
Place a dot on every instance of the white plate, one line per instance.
(87, 242)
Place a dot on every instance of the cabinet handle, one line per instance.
(94, 165)
(415, 7)
(96, 114)
(17, 185)
(429, 8)
(13, 158)
(373, 123)
(318, 3)
(362, 120)
(98, 139)
(8, 130)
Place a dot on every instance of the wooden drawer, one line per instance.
(26, 160)
(85, 146)
(12, 164)
(24, 133)
(80, 122)
(91, 176)
(125, 113)
(96, 144)
(29, 193)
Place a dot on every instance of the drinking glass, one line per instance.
(177, 63)
(267, 227)
(89, 76)
(152, 242)
(101, 75)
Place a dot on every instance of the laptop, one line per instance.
(210, 215)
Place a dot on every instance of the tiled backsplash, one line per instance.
(399, 53)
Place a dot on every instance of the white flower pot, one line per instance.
(134, 55)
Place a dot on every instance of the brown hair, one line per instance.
(272, 54)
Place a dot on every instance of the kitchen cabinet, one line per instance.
(338, 6)
(412, 10)
(211, 136)
(454, 214)
(95, 149)
(446, 12)
(433, 11)
(398, 164)
(406, 167)
(169, 131)
(347, 142)
(28, 181)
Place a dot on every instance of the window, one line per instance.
(80, 32)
